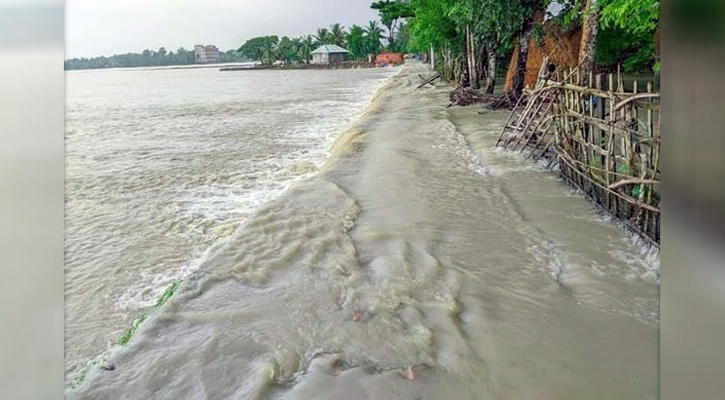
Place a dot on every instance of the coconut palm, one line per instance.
(356, 42)
(337, 34)
(373, 35)
(306, 46)
(322, 37)
(286, 50)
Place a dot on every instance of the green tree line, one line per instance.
(360, 41)
(147, 58)
(469, 37)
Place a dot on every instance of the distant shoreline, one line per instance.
(342, 65)
(164, 67)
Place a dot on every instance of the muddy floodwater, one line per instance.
(413, 262)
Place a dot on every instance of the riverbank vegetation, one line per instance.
(358, 40)
(101, 361)
(148, 58)
(470, 37)
(473, 40)
(363, 42)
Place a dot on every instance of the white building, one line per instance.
(206, 54)
(329, 54)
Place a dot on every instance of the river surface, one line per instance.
(162, 164)
(416, 262)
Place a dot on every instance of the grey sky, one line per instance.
(107, 27)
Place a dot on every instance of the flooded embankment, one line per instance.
(418, 263)
(163, 165)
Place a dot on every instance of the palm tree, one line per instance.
(296, 46)
(269, 52)
(356, 42)
(322, 37)
(307, 45)
(337, 34)
(374, 34)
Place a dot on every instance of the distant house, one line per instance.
(206, 54)
(329, 54)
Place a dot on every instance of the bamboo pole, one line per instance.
(529, 121)
(506, 125)
(564, 157)
(565, 86)
(580, 128)
(650, 128)
(599, 114)
(611, 164)
(532, 100)
(632, 181)
(536, 127)
(589, 128)
(541, 139)
(637, 98)
(620, 129)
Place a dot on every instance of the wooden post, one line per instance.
(471, 49)
(432, 58)
(589, 129)
(650, 131)
(653, 161)
(610, 160)
(599, 114)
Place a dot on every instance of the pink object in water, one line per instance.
(410, 374)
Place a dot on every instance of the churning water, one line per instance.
(163, 164)
(411, 262)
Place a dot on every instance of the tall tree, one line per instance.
(261, 48)
(402, 38)
(588, 45)
(373, 34)
(495, 23)
(632, 15)
(356, 42)
(529, 9)
(337, 35)
(391, 11)
(635, 17)
(464, 32)
(307, 46)
(322, 37)
(628, 29)
(286, 50)
(435, 26)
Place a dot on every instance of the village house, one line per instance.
(329, 54)
(206, 54)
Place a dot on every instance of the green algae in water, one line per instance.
(160, 301)
(127, 334)
(166, 295)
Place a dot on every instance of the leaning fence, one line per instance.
(603, 138)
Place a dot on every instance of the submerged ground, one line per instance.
(416, 252)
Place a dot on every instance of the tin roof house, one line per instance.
(329, 54)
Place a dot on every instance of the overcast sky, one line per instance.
(107, 27)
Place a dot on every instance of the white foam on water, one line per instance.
(209, 207)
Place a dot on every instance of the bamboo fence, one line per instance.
(604, 139)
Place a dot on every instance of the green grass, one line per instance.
(127, 334)
(160, 301)
(166, 295)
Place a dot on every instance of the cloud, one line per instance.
(106, 27)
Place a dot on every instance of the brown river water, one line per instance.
(416, 262)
